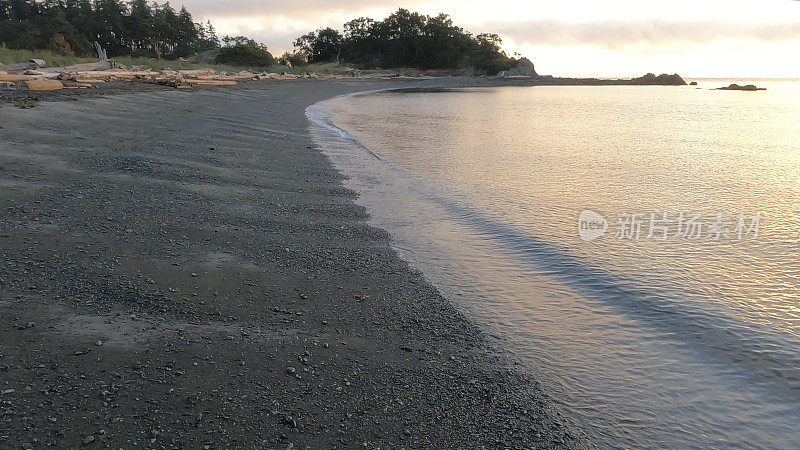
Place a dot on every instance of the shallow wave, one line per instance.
(753, 347)
(761, 359)
(320, 115)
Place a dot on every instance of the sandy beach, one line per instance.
(186, 270)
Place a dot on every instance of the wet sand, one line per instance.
(184, 269)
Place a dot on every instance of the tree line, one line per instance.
(135, 28)
(405, 39)
(140, 28)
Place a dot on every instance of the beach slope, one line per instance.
(185, 269)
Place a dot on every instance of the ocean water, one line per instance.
(679, 326)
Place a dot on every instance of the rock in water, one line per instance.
(736, 87)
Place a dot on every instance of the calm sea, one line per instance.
(670, 316)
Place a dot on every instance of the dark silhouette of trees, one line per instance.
(293, 59)
(406, 39)
(136, 28)
(323, 45)
(142, 28)
(243, 51)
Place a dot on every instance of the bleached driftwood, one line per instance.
(18, 68)
(44, 85)
(18, 77)
(197, 73)
(211, 82)
(103, 64)
(87, 67)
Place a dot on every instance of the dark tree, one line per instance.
(135, 28)
(293, 59)
(242, 51)
(323, 45)
(406, 39)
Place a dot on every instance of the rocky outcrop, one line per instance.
(736, 87)
(60, 46)
(667, 80)
(524, 68)
(549, 80)
(207, 57)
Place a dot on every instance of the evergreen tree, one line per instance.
(406, 39)
(108, 27)
(135, 28)
(140, 27)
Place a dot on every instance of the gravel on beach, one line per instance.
(185, 270)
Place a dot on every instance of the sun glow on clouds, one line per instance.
(575, 38)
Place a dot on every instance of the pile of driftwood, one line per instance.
(36, 76)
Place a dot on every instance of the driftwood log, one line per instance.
(212, 82)
(81, 76)
(102, 64)
(18, 68)
(44, 85)
(87, 67)
(17, 77)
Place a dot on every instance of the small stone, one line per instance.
(194, 275)
(291, 370)
(99, 342)
(8, 391)
(88, 440)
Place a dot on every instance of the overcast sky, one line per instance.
(565, 37)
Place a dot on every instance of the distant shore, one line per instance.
(27, 98)
(185, 269)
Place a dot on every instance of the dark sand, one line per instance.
(184, 269)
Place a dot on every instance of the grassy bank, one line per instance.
(9, 56)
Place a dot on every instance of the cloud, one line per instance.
(278, 22)
(297, 9)
(614, 34)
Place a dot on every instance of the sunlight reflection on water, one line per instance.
(647, 342)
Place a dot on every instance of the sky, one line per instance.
(698, 38)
